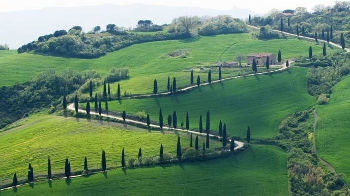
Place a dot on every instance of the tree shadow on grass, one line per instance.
(15, 189)
(124, 171)
(50, 183)
(31, 185)
(68, 181)
(105, 174)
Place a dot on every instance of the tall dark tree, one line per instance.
(267, 62)
(103, 161)
(310, 52)
(220, 73)
(109, 91)
(316, 38)
(279, 56)
(118, 91)
(64, 102)
(124, 116)
(224, 136)
(254, 66)
(14, 180)
(174, 85)
(200, 124)
(322, 34)
(96, 106)
(187, 122)
(168, 85)
(99, 107)
(161, 152)
(191, 141)
(178, 148)
(49, 168)
(160, 119)
(123, 159)
(88, 108)
(169, 120)
(302, 30)
(196, 144)
(328, 37)
(342, 41)
(86, 169)
(232, 145)
(148, 121)
(248, 134)
(139, 155)
(106, 106)
(155, 87)
(220, 128)
(192, 77)
(298, 33)
(30, 173)
(250, 19)
(207, 141)
(90, 88)
(174, 120)
(324, 50)
(198, 80)
(67, 168)
(104, 90)
(288, 22)
(207, 122)
(282, 26)
(76, 104)
(287, 63)
(209, 76)
(331, 34)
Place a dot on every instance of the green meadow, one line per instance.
(260, 170)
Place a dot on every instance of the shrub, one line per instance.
(117, 74)
(322, 99)
(132, 162)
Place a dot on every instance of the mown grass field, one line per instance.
(260, 170)
(260, 102)
(150, 60)
(4, 53)
(33, 139)
(332, 134)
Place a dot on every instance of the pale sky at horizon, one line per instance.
(257, 6)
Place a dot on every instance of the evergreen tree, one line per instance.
(118, 91)
(267, 62)
(322, 35)
(196, 145)
(207, 141)
(155, 87)
(232, 145)
(192, 77)
(174, 85)
(64, 103)
(161, 152)
(104, 90)
(342, 41)
(287, 63)
(109, 92)
(90, 88)
(14, 180)
(103, 161)
(88, 108)
(139, 156)
(324, 49)
(169, 120)
(209, 76)
(279, 56)
(174, 120)
(148, 121)
(178, 148)
(187, 122)
(200, 124)
(86, 169)
(207, 122)
(302, 30)
(49, 168)
(282, 26)
(160, 119)
(123, 159)
(250, 19)
(316, 40)
(96, 106)
(124, 116)
(254, 66)
(298, 30)
(99, 107)
(224, 136)
(30, 173)
(310, 52)
(220, 73)
(168, 86)
(191, 145)
(220, 128)
(198, 80)
(67, 168)
(331, 34)
(327, 37)
(248, 134)
(288, 22)
(76, 104)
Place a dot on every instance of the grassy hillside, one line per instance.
(260, 102)
(4, 53)
(332, 133)
(150, 60)
(261, 170)
(33, 139)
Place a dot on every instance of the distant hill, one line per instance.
(26, 26)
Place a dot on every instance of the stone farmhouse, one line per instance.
(260, 58)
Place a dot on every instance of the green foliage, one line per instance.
(116, 75)
(221, 25)
(266, 33)
(4, 47)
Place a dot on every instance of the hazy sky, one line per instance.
(258, 6)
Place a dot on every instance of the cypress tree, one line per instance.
(279, 58)
(298, 30)
(267, 62)
(310, 52)
(109, 92)
(196, 145)
(49, 168)
(220, 72)
(327, 37)
(174, 85)
(324, 49)
(161, 152)
(248, 134)
(30, 173)
(207, 123)
(64, 102)
(76, 104)
(322, 35)
(191, 145)
(123, 159)
(200, 124)
(139, 156)
(207, 141)
(198, 80)
(118, 91)
(90, 88)
(88, 108)
(187, 122)
(124, 116)
(96, 106)
(99, 107)
(155, 87)
(224, 136)
(103, 161)
(192, 77)
(86, 169)
(287, 63)
(254, 67)
(342, 41)
(220, 128)
(168, 86)
(232, 145)
(209, 76)
(148, 121)
(282, 28)
(302, 30)
(250, 19)
(331, 34)
(178, 148)
(67, 168)
(316, 40)
(104, 90)
(288, 22)
(160, 119)
(169, 120)
(14, 180)
(174, 120)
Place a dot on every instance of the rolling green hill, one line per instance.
(261, 170)
(261, 102)
(332, 135)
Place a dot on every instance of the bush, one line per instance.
(322, 99)
(221, 25)
(116, 75)
(267, 33)
(132, 162)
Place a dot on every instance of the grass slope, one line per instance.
(333, 135)
(261, 170)
(33, 139)
(260, 102)
(149, 59)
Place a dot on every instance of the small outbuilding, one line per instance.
(260, 58)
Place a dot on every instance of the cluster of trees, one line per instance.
(4, 47)
(147, 26)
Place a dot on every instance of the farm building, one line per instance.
(227, 64)
(261, 58)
